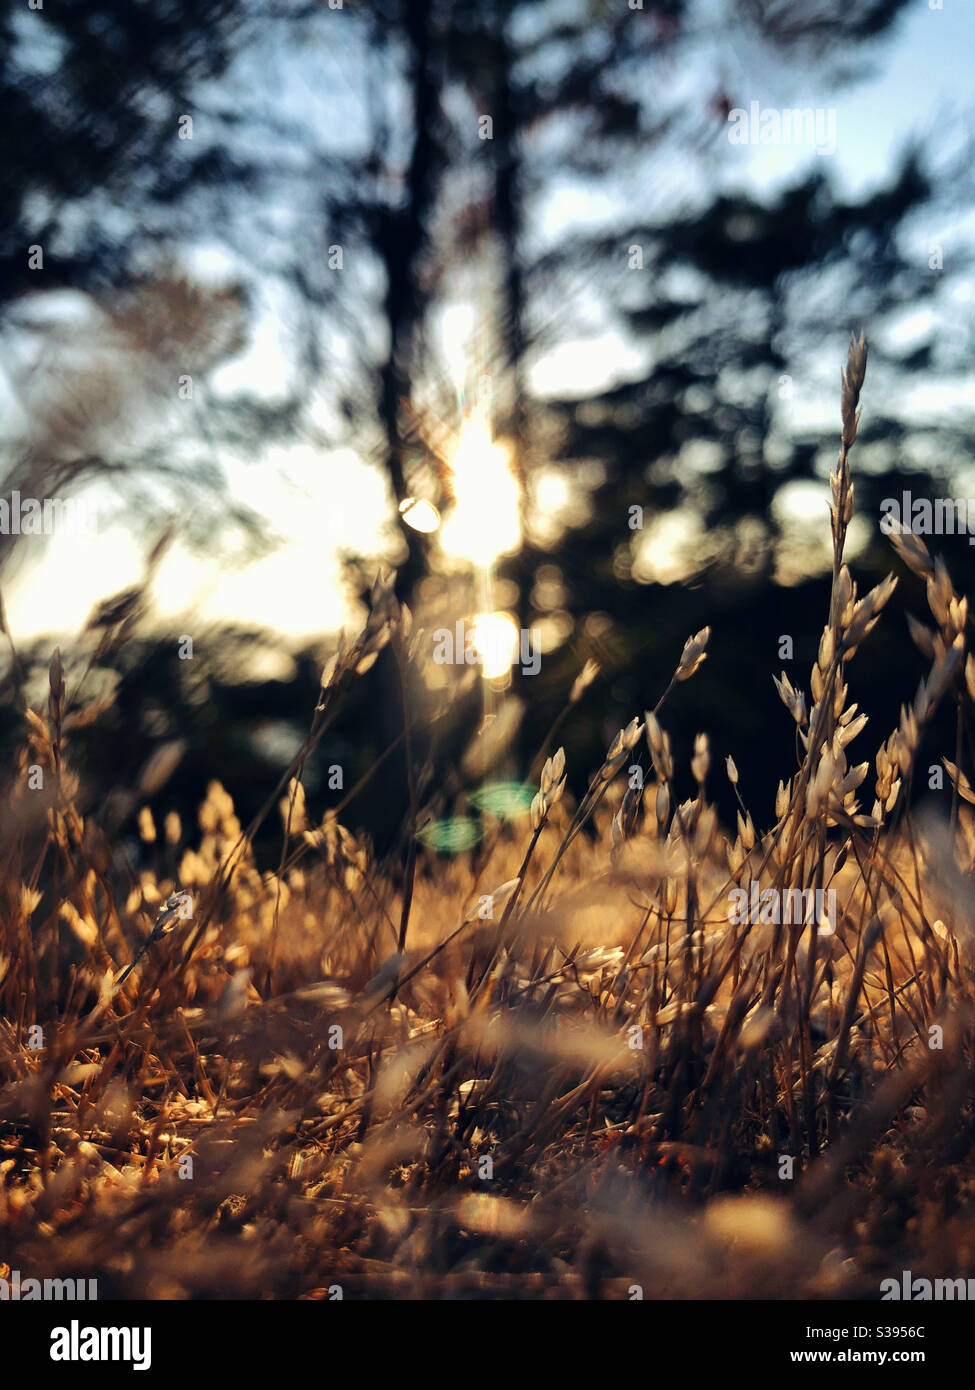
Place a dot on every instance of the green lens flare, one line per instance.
(451, 836)
(503, 800)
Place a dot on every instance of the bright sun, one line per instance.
(496, 642)
(484, 521)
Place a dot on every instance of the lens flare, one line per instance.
(451, 836)
(504, 800)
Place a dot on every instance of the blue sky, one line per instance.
(917, 83)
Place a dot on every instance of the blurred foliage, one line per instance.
(738, 295)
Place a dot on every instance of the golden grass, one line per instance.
(568, 1075)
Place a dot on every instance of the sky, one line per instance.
(317, 502)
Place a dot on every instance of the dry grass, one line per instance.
(584, 1080)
